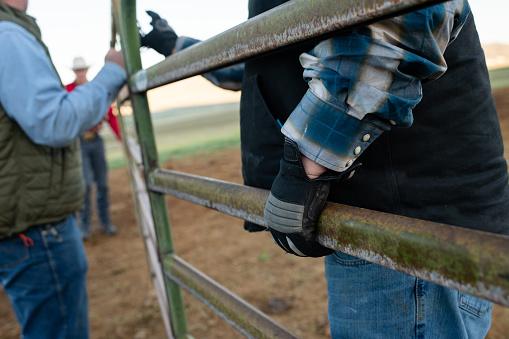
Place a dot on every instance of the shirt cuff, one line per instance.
(113, 77)
(329, 136)
(184, 42)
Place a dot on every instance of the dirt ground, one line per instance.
(123, 303)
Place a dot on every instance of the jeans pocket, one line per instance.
(55, 232)
(474, 305)
(349, 260)
(13, 252)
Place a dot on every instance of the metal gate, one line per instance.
(469, 261)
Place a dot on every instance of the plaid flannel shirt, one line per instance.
(364, 81)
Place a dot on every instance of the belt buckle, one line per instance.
(88, 136)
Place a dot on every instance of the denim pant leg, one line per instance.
(88, 174)
(100, 169)
(371, 301)
(46, 283)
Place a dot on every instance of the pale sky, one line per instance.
(83, 28)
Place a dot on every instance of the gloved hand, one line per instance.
(162, 38)
(295, 203)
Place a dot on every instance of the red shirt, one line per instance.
(109, 117)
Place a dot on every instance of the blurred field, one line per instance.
(184, 131)
(499, 78)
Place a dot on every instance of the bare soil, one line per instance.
(123, 303)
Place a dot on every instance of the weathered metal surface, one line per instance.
(125, 14)
(113, 40)
(288, 24)
(237, 200)
(133, 149)
(242, 316)
(467, 260)
(123, 95)
(470, 261)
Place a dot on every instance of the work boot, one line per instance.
(109, 229)
(85, 234)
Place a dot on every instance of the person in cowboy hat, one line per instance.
(95, 168)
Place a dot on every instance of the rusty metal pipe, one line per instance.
(290, 23)
(237, 200)
(467, 260)
(246, 319)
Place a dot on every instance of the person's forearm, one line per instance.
(65, 117)
(361, 82)
(313, 169)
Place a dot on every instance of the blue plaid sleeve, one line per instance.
(363, 82)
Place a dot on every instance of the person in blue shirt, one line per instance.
(42, 263)
(396, 117)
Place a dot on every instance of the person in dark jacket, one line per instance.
(409, 98)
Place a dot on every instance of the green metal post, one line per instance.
(125, 11)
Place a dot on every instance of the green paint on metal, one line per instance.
(125, 13)
(472, 261)
(248, 201)
(245, 318)
(465, 257)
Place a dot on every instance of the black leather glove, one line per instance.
(162, 38)
(295, 203)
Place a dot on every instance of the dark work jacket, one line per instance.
(448, 167)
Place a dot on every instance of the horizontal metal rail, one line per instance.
(293, 22)
(467, 260)
(239, 314)
(240, 201)
(231, 308)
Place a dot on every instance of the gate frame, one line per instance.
(475, 262)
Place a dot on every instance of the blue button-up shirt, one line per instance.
(32, 95)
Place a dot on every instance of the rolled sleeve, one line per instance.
(363, 81)
(328, 135)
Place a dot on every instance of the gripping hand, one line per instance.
(162, 38)
(295, 203)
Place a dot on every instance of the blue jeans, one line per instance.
(371, 301)
(46, 283)
(95, 170)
